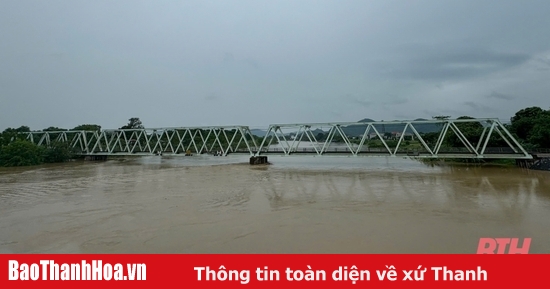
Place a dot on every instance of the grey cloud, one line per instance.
(544, 60)
(378, 101)
(212, 97)
(334, 113)
(228, 57)
(478, 107)
(472, 105)
(252, 63)
(430, 113)
(394, 100)
(357, 100)
(453, 113)
(405, 116)
(498, 95)
(543, 63)
(202, 62)
(445, 63)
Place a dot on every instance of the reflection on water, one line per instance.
(505, 192)
(296, 205)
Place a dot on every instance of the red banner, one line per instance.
(272, 271)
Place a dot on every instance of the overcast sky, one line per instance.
(251, 62)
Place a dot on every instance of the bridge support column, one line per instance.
(524, 164)
(537, 163)
(258, 160)
(95, 158)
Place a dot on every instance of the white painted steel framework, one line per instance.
(492, 141)
(148, 141)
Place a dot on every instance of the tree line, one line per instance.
(530, 126)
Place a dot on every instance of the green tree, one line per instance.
(23, 128)
(471, 131)
(441, 117)
(88, 127)
(430, 138)
(540, 134)
(532, 126)
(58, 152)
(21, 153)
(320, 136)
(54, 128)
(134, 123)
(11, 134)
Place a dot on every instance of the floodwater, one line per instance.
(296, 205)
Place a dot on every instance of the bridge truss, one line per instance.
(148, 141)
(459, 138)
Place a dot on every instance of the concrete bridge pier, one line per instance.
(258, 160)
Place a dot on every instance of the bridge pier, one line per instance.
(258, 160)
(96, 158)
(537, 163)
(525, 164)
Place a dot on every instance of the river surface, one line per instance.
(296, 205)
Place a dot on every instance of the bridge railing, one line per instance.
(541, 150)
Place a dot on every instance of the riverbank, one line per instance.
(470, 162)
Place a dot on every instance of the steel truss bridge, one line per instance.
(471, 138)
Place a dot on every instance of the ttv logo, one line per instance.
(490, 245)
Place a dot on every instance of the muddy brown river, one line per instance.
(296, 205)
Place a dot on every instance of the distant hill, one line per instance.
(261, 133)
(367, 120)
(258, 132)
(359, 130)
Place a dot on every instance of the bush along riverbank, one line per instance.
(25, 153)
